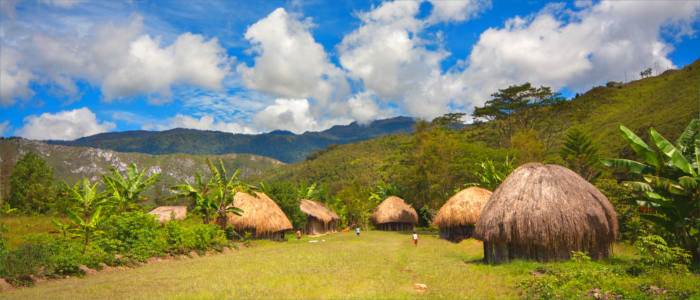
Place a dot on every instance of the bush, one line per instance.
(655, 253)
(135, 234)
(203, 237)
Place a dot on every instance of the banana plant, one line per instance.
(200, 196)
(88, 213)
(126, 190)
(490, 176)
(224, 189)
(669, 182)
(63, 229)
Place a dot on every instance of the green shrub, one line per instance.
(654, 252)
(203, 237)
(135, 234)
(17, 266)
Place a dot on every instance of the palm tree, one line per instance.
(126, 190)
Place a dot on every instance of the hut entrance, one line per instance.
(395, 226)
(456, 234)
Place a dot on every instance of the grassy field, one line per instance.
(18, 227)
(373, 266)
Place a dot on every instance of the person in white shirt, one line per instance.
(415, 238)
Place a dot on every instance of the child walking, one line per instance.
(357, 231)
(415, 239)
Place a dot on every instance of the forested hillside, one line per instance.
(282, 145)
(430, 164)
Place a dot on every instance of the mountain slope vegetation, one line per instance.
(74, 163)
(448, 158)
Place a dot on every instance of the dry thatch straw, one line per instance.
(463, 208)
(167, 213)
(318, 210)
(544, 212)
(261, 216)
(457, 217)
(394, 214)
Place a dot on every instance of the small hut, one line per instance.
(393, 214)
(319, 219)
(261, 216)
(457, 217)
(543, 212)
(168, 213)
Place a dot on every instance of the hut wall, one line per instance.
(456, 234)
(395, 226)
(314, 226)
(496, 253)
(274, 236)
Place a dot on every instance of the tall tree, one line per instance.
(31, 184)
(580, 154)
(126, 190)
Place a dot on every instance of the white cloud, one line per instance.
(293, 115)
(205, 122)
(14, 80)
(602, 43)
(456, 11)
(122, 61)
(5, 128)
(61, 3)
(289, 62)
(64, 125)
(363, 108)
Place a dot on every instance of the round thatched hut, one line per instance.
(261, 216)
(167, 213)
(319, 219)
(544, 212)
(457, 217)
(394, 215)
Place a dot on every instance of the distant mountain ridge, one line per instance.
(282, 145)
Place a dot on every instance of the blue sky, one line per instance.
(74, 68)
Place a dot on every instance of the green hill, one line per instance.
(666, 102)
(73, 163)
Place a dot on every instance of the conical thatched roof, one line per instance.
(394, 210)
(260, 214)
(550, 209)
(318, 210)
(463, 208)
(166, 213)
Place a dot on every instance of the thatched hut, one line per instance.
(543, 212)
(393, 214)
(319, 219)
(456, 219)
(261, 216)
(167, 213)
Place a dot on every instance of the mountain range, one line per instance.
(282, 145)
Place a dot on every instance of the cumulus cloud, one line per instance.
(64, 125)
(288, 114)
(205, 122)
(289, 62)
(560, 48)
(363, 108)
(456, 11)
(121, 60)
(14, 80)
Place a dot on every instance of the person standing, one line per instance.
(357, 231)
(415, 239)
(298, 234)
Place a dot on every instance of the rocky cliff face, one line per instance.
(73, 163)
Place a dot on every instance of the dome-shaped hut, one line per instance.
(261, 216)
(456, 219)
(319, 218)
(393, 214)
(168, 213)
(543, 212)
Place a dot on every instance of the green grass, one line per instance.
(18, 227)
(377, 265)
